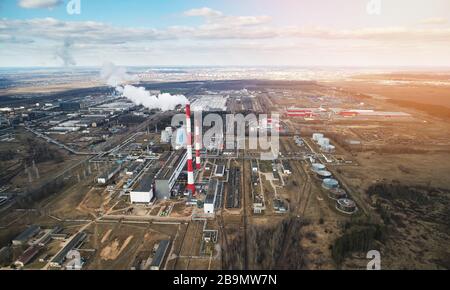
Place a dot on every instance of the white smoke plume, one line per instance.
(140, 96)
(117, 76)
(64, 53)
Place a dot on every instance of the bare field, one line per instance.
(417, 91)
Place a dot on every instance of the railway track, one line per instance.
(222, 231)
(184, 243)
(297, 213)
(244, 193)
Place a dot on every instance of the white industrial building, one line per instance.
(168, 175)
(119, 106)
(166, 135)
(214, 196)
(209, 103)
(143, 192)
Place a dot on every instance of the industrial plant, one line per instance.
(160, 136)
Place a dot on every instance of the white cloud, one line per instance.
(219, 37)
(30, 4)
(204, 12)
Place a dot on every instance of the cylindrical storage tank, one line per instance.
(328, 148)
(346, 205)
(318, 167)
(324, 174)
(317, 136)
(324, 141)
(330, 183)
(337, 193)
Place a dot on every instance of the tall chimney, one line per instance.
(197, 145)
(190, 167)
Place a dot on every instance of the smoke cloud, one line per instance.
(117, 76)
(140, 96)
(65, 54)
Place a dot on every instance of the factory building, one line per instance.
(370, 113)
(180, 139)
(44, 237)
(109, 174)
(168, 175)
(75, 242)
(328, 148)
(346, 205)
(115, 107)
(132, 168)
(317, 136)
(143, 192)
(166, 135)
(70, 106)
(220, 171)
(213, 197)
(303, 112)
(160, 255)
(211, 103)
(323, 142)
(26, 235)
(27, 256)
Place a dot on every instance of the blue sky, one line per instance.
(225, 32)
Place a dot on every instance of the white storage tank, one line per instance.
(324, 142)
(318, 167)
(328, 148)
(317, 136)
(324, 174)
(330, 183)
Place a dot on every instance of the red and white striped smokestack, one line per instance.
(190, 167)
(197, 145)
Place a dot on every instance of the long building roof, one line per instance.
(28, 233)
(59, 259)
(145, 184)
(172, 164)
(160, 253)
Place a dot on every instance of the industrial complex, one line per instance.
(122, 187)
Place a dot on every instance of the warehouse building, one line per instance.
(220, 171)
(144, 191)
(213, 198)
(168, 175)
(70, 106)
(27, 256)
(26, 235)
(108, 175)
(160, 255)
(75, 242)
